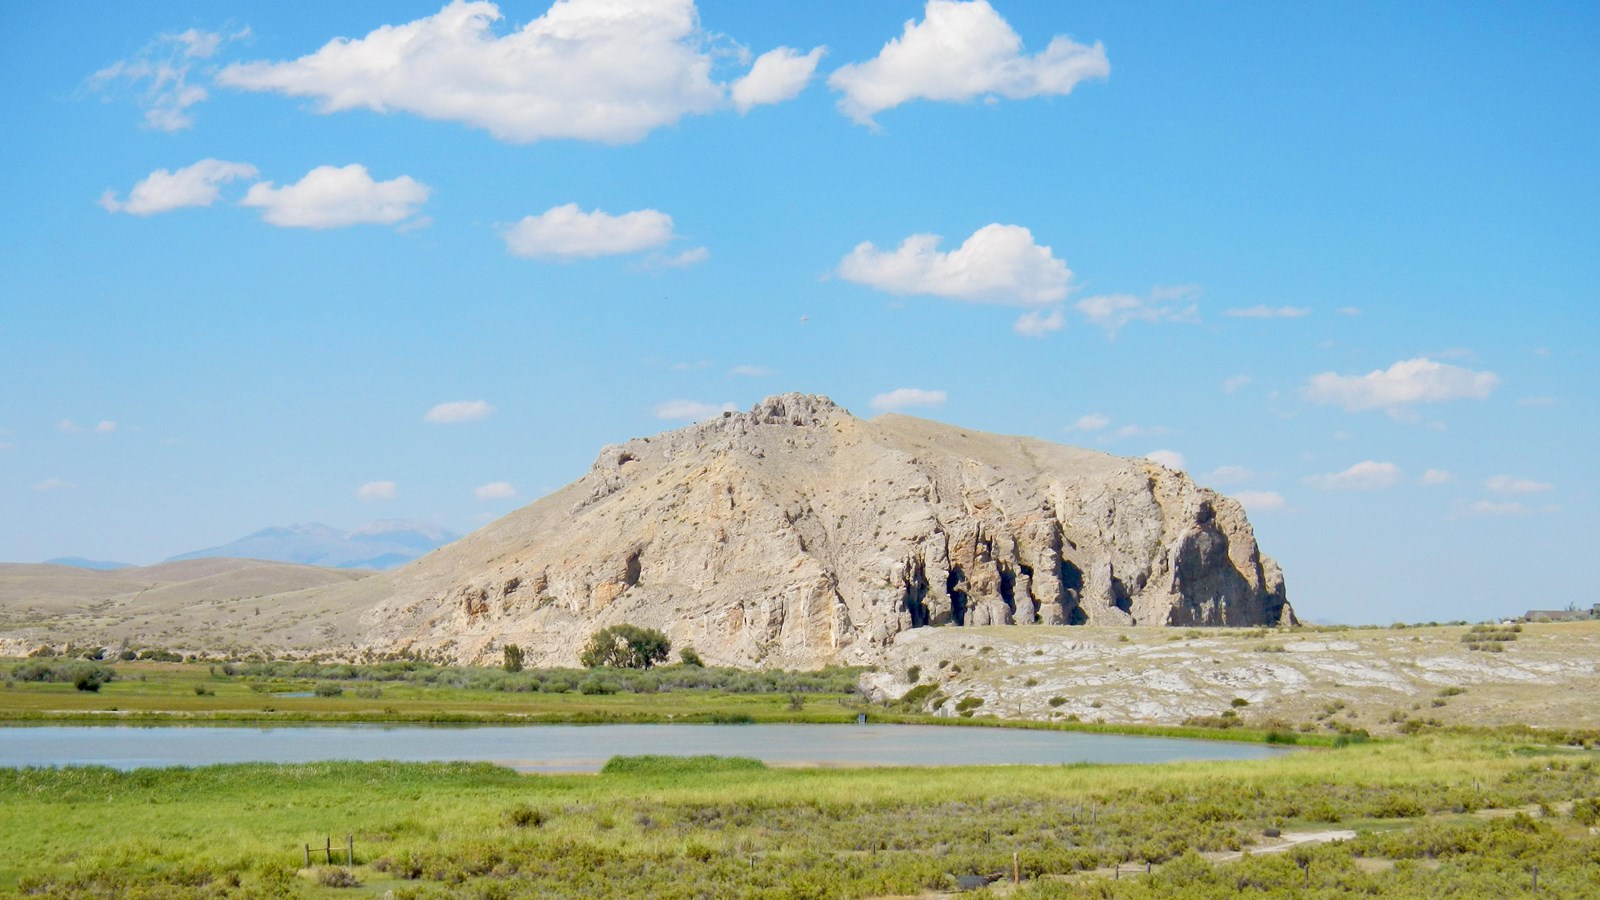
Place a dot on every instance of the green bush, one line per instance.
(328, 689)
(594, 684)
(625, 647)
(691, 657)
(524, 816)
(511, 658)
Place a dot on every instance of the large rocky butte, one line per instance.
(797, 535)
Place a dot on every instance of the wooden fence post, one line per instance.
(350, 851)
(308, 856)
(327, 847)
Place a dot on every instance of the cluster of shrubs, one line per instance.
(661, 679)
(1490, 638)
(82, 674)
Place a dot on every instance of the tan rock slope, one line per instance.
(797, 534)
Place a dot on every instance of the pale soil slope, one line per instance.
(1359, 678)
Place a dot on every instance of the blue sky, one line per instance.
(1338, 260)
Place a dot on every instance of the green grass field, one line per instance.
(719, 828)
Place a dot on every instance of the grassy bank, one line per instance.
(676, 828)
(145, 692)
(154, 692)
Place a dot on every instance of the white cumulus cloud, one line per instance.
(161, 191)
(567, 232)
(691, 410)
(1407, 382)
(332, 197)
(458, 411)
(594, 70)
(997, 264)
(776, 76)
(1268, 312)
(1436, 477)
(1506, 484)
(495, 490)
(906, 398)
(1172, 459)
(1362, 476)
(377, 490)
(1260, 501)
(962, 50)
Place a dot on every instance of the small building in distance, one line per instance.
(1562, 615)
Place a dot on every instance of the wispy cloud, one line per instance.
(906, 398)
(691, 257)
(1090, 422)
(1260, 501)
(1164, 304)
(1436, 477)
(1226, 475)
(1038, 323)
(104, 426)
(691, 410)
(1363, 476)
(1507, 484)
(377, 490)
(495, 490)
(159, 74)
(1130, 431)
(53, 484)
(458, 411)
(1232, 385)
(1268, 312)
(750, 371)
(1172, 459)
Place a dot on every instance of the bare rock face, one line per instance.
(796, 535)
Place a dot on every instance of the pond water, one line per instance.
(585, 748)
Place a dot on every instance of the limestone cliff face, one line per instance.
(797, 534)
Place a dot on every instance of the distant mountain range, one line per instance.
(380, 545)
(78, 562)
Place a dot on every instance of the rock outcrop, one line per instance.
(797, 534)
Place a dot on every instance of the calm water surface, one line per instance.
(585, 748)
